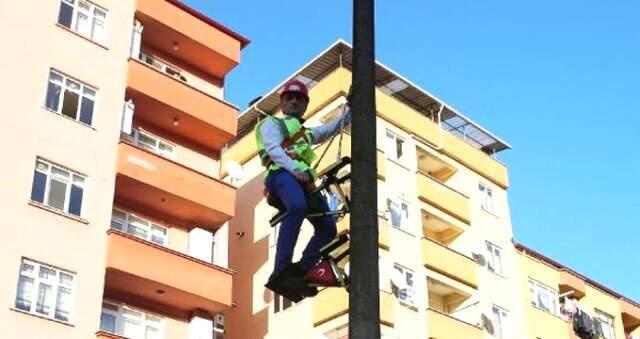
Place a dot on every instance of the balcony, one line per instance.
(443, 326)
(571, 283)
(439, 226)
(145, 271)
(344, 226)
(171, 191)
(449, 263)
(443, 197)
(201, 41)
(630, 315)
(163, 101)
(331, 303)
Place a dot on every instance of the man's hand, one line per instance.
(302, 176)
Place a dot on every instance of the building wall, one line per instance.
(38, 44)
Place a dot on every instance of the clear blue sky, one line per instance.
(558, 80)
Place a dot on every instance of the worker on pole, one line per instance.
(285, 148)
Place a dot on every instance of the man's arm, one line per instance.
(272, 138)
(323, 132)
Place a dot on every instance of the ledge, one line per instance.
(58, 212)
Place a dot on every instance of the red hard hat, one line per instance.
(296, 86)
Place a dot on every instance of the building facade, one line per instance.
(448, 265)
(116, 221)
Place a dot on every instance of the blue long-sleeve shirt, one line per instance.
(272, 138)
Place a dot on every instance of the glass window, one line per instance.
(138, 227)
(404, 282)
(486, 198)
(606, 323)
(58, 188)
(494, 262)
(153, 143)
(502, 328)
(399, 214)
(83, 18)
(70, 98)
(394, 146)
(543, 297)
(49, 293)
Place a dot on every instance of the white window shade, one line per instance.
(200, 328)
(201, 244)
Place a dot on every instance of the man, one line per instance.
(285, 147)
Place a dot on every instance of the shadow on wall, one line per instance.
(246, 256)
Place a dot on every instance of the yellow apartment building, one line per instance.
(448, 265)
(115, 221)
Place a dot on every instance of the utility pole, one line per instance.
(364, 295)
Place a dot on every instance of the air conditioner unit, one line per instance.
(479, 259)
(487, 324)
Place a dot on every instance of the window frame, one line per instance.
(55, 288)
(120, 317)
(405, 221)
(487, 198)
(135, 138)
(69, 184)
(390, 143)
(148, 227)
(409, 287)
(535, 289)
(91, 19)
(163, 66)
(491, 260)
(608, 321)
(81, 92)
(501, 321)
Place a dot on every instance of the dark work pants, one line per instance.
(290, 191)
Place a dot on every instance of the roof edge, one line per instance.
(243, 40)
(562, 267)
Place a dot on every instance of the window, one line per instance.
(138, 227)
(403, 280)
(399, 214)
(57, 187)
(543, 297)
(162, 66)
(494, 259)
(501, 322)
(70, 98)
(394, 147)
(606, 322)
(131, 323)
(281, 303)
(486, 196)
(45, 291)
(153, 143)
(83, 18)
(218, 326)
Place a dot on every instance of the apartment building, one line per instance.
(555, 294)
(442, 202)
(448, 265)
(114, 225)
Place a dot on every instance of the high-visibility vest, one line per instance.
(297, 143)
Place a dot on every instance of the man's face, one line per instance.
(293, 104)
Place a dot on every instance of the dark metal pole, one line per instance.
(364, 295)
